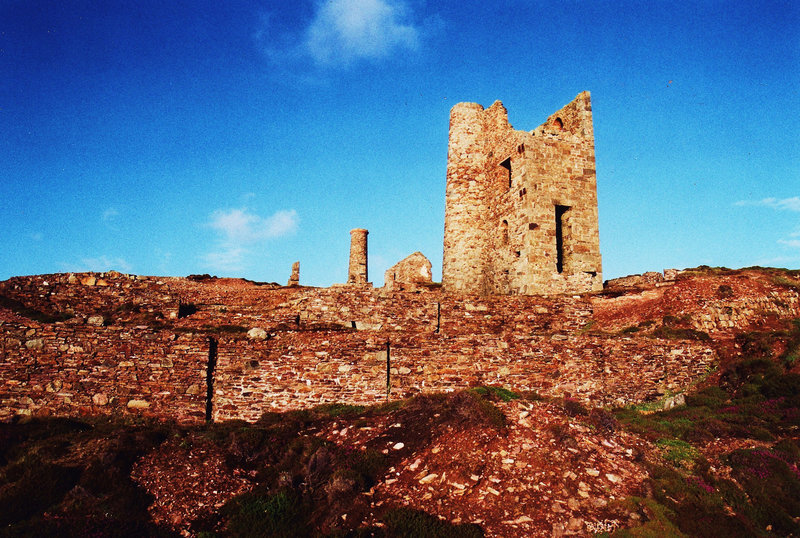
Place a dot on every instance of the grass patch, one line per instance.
(657, 520)
(756, 399)
(338, 410)
(677, 452)
(496, 393)
(667, 332)
(282, 515)
(784, 282)
(409, 523)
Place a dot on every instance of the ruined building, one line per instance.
(521, 207)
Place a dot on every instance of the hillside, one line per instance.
(667, 405)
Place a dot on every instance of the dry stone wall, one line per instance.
(71, 370)
(717, 304)
(243, 349)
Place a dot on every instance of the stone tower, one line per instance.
(357, 273)
(521, 207)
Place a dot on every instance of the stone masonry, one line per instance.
(410, 273)
(203, 348)
(294, 279)
(247, 348)
(521, 207)
(357, 273)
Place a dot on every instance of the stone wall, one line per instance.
(720, 305)
(243, 349)
(521, 207)
(71, 370)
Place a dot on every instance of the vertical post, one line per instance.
(438, 316)
(388, 371)
(212, 364)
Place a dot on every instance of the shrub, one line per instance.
(603, 420)
(772, 482)
(574, 408)
(37, 487)
(712, 397)
(786, 385)
(724, 291)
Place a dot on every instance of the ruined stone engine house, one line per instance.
(521, 207)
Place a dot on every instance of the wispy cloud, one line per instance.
(342, 32)
(787, 204)
(98, 264)
(793, 243)
(109, 214)
(239, 229)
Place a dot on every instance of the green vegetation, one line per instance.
(677, 452)
(336, 410)
(408, 523)
(282, 515)
(757, 398)
(658, 522)
(500, 393)
(783, 281)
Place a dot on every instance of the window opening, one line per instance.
(507, 165)
(561, 210)
(504, 232)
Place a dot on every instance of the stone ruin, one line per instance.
(294, 279)
(521, 207)
(409, 274)
(357, 272)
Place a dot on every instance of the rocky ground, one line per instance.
(717, 458)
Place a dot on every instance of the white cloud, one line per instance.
(239, 226)
(346, 30)
(777, 261)
(793, 243)
(789, 204)
(99, 264)
(238, 229)
(342, 32)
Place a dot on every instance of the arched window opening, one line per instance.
(504, 232)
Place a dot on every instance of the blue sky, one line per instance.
(233, 138)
